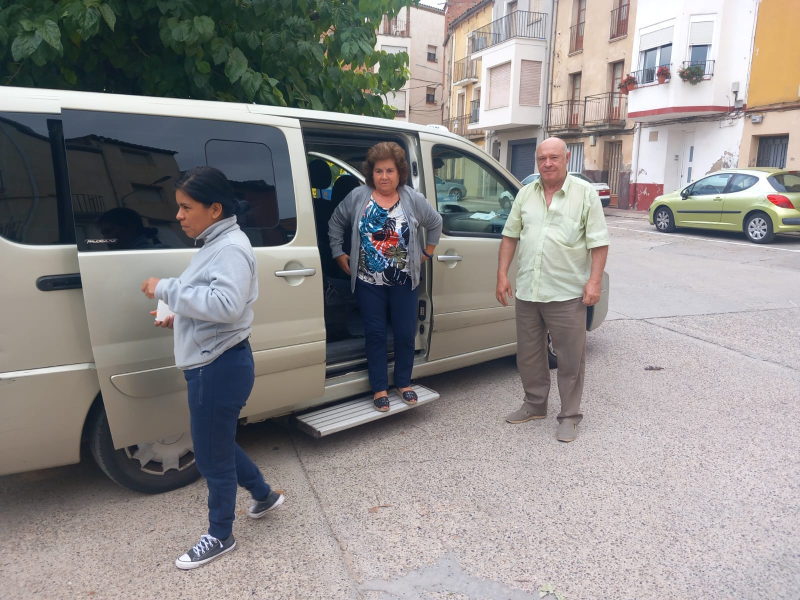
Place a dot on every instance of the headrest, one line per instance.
(320, 174)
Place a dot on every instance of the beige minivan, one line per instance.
(87, 212)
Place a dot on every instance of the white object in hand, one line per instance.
(163, 311)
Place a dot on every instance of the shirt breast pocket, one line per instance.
(570, 230)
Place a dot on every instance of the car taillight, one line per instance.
(780, 201)
(605, 192)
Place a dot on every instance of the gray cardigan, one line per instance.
(418, 213)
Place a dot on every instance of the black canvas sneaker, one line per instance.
(206, 550)
(262, 507)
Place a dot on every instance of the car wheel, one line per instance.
(149, 468)
(551, 354)
(663, 220)
(456, 194)
(758, 228)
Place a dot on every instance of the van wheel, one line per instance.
(456, 194)
(149, 468)
(663, 219)
(551, 354)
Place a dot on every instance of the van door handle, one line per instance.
(718, 199)
(449, 258)
(296, 273)
(55, 283)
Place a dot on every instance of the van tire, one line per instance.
(124, 470)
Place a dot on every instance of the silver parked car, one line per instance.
(602, 188)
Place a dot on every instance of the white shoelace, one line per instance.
(204, 545)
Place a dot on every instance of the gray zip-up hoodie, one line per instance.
(417, 210)
(213, 298)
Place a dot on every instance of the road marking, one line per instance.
(746, 245)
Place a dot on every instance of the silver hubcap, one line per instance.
(757, 228)
(158, 457)
(662, 219)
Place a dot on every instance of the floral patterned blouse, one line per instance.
(383, 257)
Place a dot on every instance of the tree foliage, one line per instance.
(302, 53)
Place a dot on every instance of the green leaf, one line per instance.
(181, 32)
(272, 81)
(27, 25)
(3, 36)
(204, 26)
(69, 75)
(201, 79)
(219, 50)
(251, 81)
(236, 65)
(25, 44)
(51, 34)
(316, 103)
(108, 16)
(202, 66)
(136, 10)
(89, 23)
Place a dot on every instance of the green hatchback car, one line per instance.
(761, 202)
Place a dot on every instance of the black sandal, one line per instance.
(409, 397)
(381, 403)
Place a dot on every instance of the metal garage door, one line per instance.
(523, 159)
(576, 158)
(772, 151)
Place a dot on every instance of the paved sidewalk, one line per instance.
(626, 214)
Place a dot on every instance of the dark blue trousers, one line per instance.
(217, 394)
(375, 303)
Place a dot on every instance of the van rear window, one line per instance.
(34, 207)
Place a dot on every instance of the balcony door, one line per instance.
(617, 69)
(575, 99)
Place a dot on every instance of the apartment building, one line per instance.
(418, 31)
(592, 51)
(462, 82)
(692, 123)
(514, 51)
(771, 131)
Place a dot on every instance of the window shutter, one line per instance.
(654, 39)
(397, 100)
(530, 84)
(700, 33)
(499, 86)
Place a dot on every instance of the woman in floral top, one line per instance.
(385, 216)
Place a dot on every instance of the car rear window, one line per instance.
(785, 182)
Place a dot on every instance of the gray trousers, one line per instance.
(566, 322)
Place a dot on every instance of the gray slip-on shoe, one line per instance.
(523, 414)
(567, 431)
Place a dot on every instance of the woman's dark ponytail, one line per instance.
(208, 185)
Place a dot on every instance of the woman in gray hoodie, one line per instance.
(212, 301)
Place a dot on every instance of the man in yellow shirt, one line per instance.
(559, 224)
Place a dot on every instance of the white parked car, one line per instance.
(602, 188)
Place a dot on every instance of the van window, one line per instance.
(122, 171)
(472, 198)
(34, 206)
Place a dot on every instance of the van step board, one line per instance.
(358, 411)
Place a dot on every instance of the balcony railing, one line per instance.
(707, 65)
(518, 24)
(619, 22)
(394, 27)
(576, 37)
(399, 112)
(565, 115)
(88, 204)
(458, 125)
(466, 69)
(474, 111)
(645, 76)
(605, 110)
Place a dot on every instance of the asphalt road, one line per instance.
(683, 483)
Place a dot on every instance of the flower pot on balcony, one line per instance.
(624, 90)
(630, 85)
(661, 79)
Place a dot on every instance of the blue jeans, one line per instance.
(217, 394)
(375, 302)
